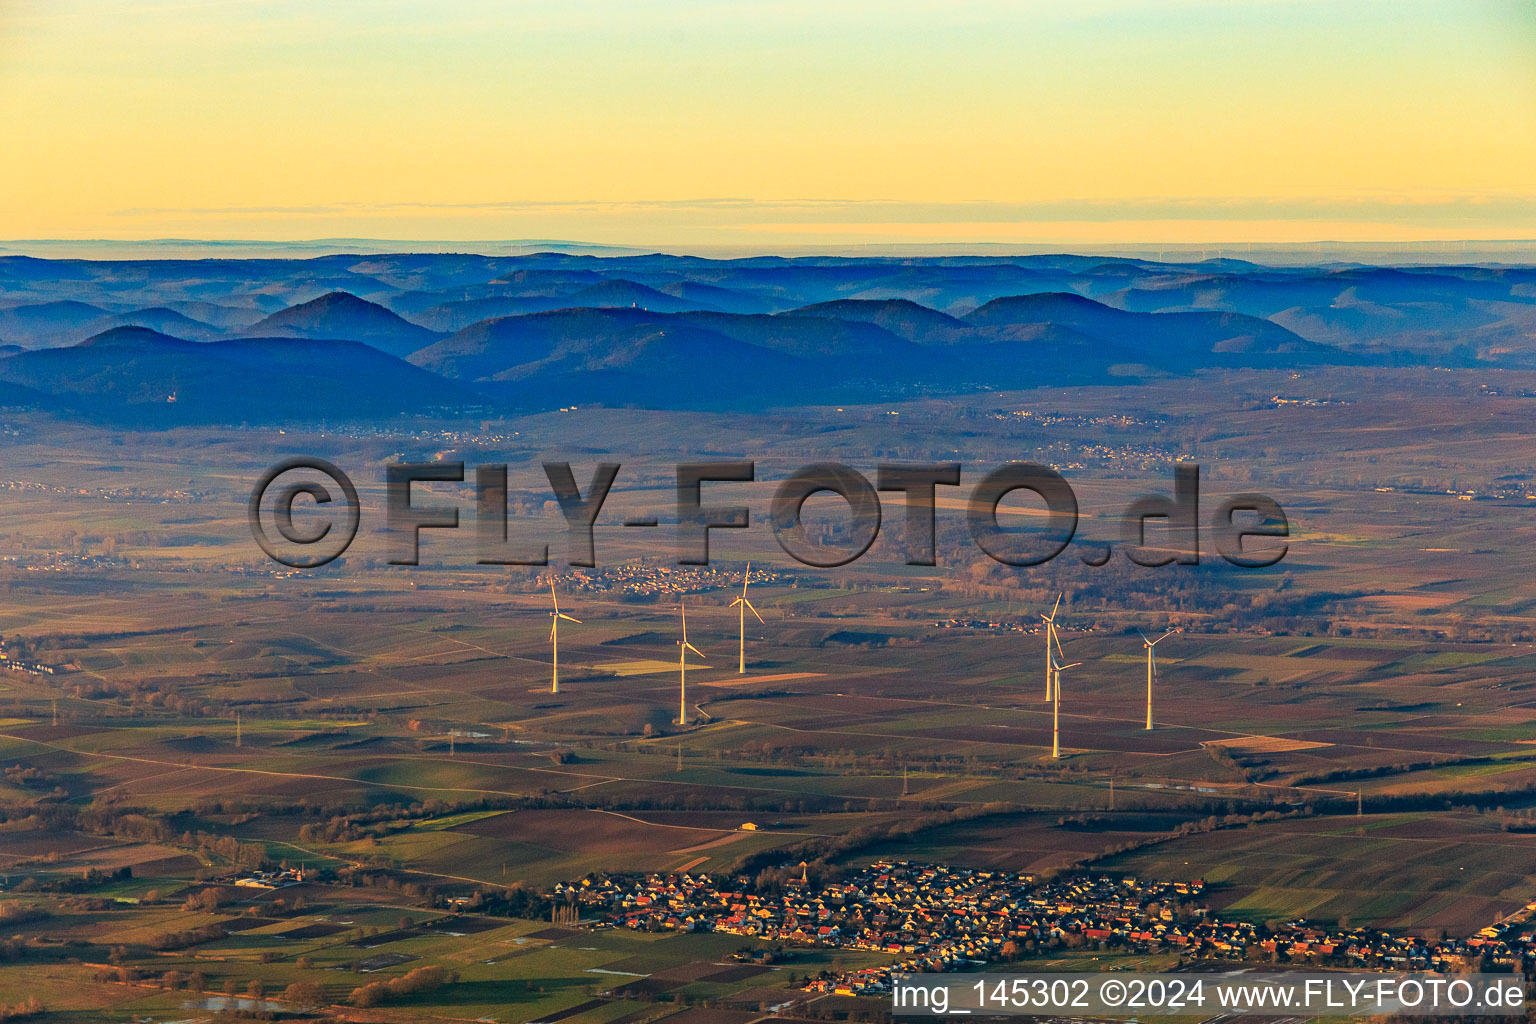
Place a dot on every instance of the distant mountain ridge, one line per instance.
(343, 315)
(531, 331)
(1181, 341)
(137, 375)
(901, 317)
(1008, 343)
(38, 324)
(161, 319)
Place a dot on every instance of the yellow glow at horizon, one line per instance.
(202, 118)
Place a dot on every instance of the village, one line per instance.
(653, 579)
(934, 918)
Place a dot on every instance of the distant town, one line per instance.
(934, 917)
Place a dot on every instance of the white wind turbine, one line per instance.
(1050, 637)
(745, 606)
(554, 638)
(1056, 669)
(1151, 646)
(683, 647)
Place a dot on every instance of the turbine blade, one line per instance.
(1056, 605)
(1057, 637)
(1165, 636)
(569, 618)
(754, 611)
(1073, 665)
(739, 600)
(1144, 638)
(552, 596)
(694, 649)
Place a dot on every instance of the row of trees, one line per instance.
(28, 1007)
(422, 979)
(187, 938)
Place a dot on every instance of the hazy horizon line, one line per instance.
(185, 247)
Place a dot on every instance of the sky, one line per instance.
(697, 123)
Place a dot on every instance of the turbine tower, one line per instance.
(683, 647)
(554, 638)
(1056, 669)
(745, 606)
(1151, 645)
(1050, 637)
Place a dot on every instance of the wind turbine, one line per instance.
(1150, 645)
(1050, 637)
(554, 638)
(1056, 669)
(683, 647)
(745, 606)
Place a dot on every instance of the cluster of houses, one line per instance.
(9, 661)
(996, 625)
(656, 580)
(272, 879)
(931, 917)
(165, 497)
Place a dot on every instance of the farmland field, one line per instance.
(392, 732)
(1421, 872)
